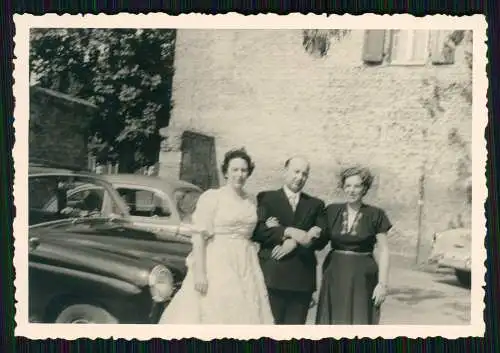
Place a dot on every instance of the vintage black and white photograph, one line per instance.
(296, 177)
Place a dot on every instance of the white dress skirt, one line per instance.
(236, 291)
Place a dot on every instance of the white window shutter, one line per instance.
(409, 47)
(398, 45)
(442, 49)
(419, 46)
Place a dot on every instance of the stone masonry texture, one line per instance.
(260, 89)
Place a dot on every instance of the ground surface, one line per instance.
(421, 297)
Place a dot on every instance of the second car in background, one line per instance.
(155, 204)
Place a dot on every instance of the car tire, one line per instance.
(464, 277)
(85, 314)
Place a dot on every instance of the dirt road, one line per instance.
(422, 298)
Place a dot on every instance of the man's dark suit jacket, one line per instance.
(297, 270)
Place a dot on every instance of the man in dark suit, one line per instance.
(290, 224)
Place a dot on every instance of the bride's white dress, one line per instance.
(236, 290)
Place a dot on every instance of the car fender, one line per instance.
(113, 283)
(68, 284)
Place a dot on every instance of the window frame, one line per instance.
(410, 48)
(112, 203)
(165, 200)
(80, 189)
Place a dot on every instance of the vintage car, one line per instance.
(70, 284)
(155, 204)
(452, 249)
(88, 262)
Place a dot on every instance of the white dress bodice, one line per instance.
(224, 214)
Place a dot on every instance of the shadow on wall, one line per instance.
(199, 160)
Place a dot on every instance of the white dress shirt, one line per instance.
(293, 197)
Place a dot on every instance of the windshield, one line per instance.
(54, 197)
(185, 201)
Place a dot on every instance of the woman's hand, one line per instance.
(379, 294)
(272, 222)
(201, 283)
(300, 236)
(314, 232)
(284, 249)
(207, 235)
(381, 257)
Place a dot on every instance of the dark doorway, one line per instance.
(199, 162)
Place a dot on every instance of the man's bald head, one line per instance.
(296, 172)
(297, 159)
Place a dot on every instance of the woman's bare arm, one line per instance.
(200, 265)
(382, 257)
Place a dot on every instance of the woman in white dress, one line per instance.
(224, 282)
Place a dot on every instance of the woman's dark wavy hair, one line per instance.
(237, 153)
(364, 173)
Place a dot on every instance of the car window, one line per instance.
(88, 198)
(41, 191)
(185, 200)
(144, 203)
(54, 197)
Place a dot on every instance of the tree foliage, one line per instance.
(317, 41)
(460, 38)
(127, 73)
(437, 91)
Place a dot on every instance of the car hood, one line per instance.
(451, 240)
(61, 253)
(121, 240)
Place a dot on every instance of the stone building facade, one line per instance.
(58, 127)
(371, 100)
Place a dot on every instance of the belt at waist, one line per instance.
(349, 252)
(227, 237)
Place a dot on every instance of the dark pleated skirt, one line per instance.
(347, 286)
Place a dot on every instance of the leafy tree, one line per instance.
(317, 41)
(440, 90)
(127, 73)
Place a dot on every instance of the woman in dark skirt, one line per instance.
(354, 284)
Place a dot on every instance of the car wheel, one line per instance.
(85, 314)
(464, 277)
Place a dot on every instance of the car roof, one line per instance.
(43, 165)
(160, 183)
(59, 171)
(167, 184)
(43, 170)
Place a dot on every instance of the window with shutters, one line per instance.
(409, 47)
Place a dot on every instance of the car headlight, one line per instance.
(161, 283)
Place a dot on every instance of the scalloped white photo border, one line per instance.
(24, 22)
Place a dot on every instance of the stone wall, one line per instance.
(58, 125)
(261, 90)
